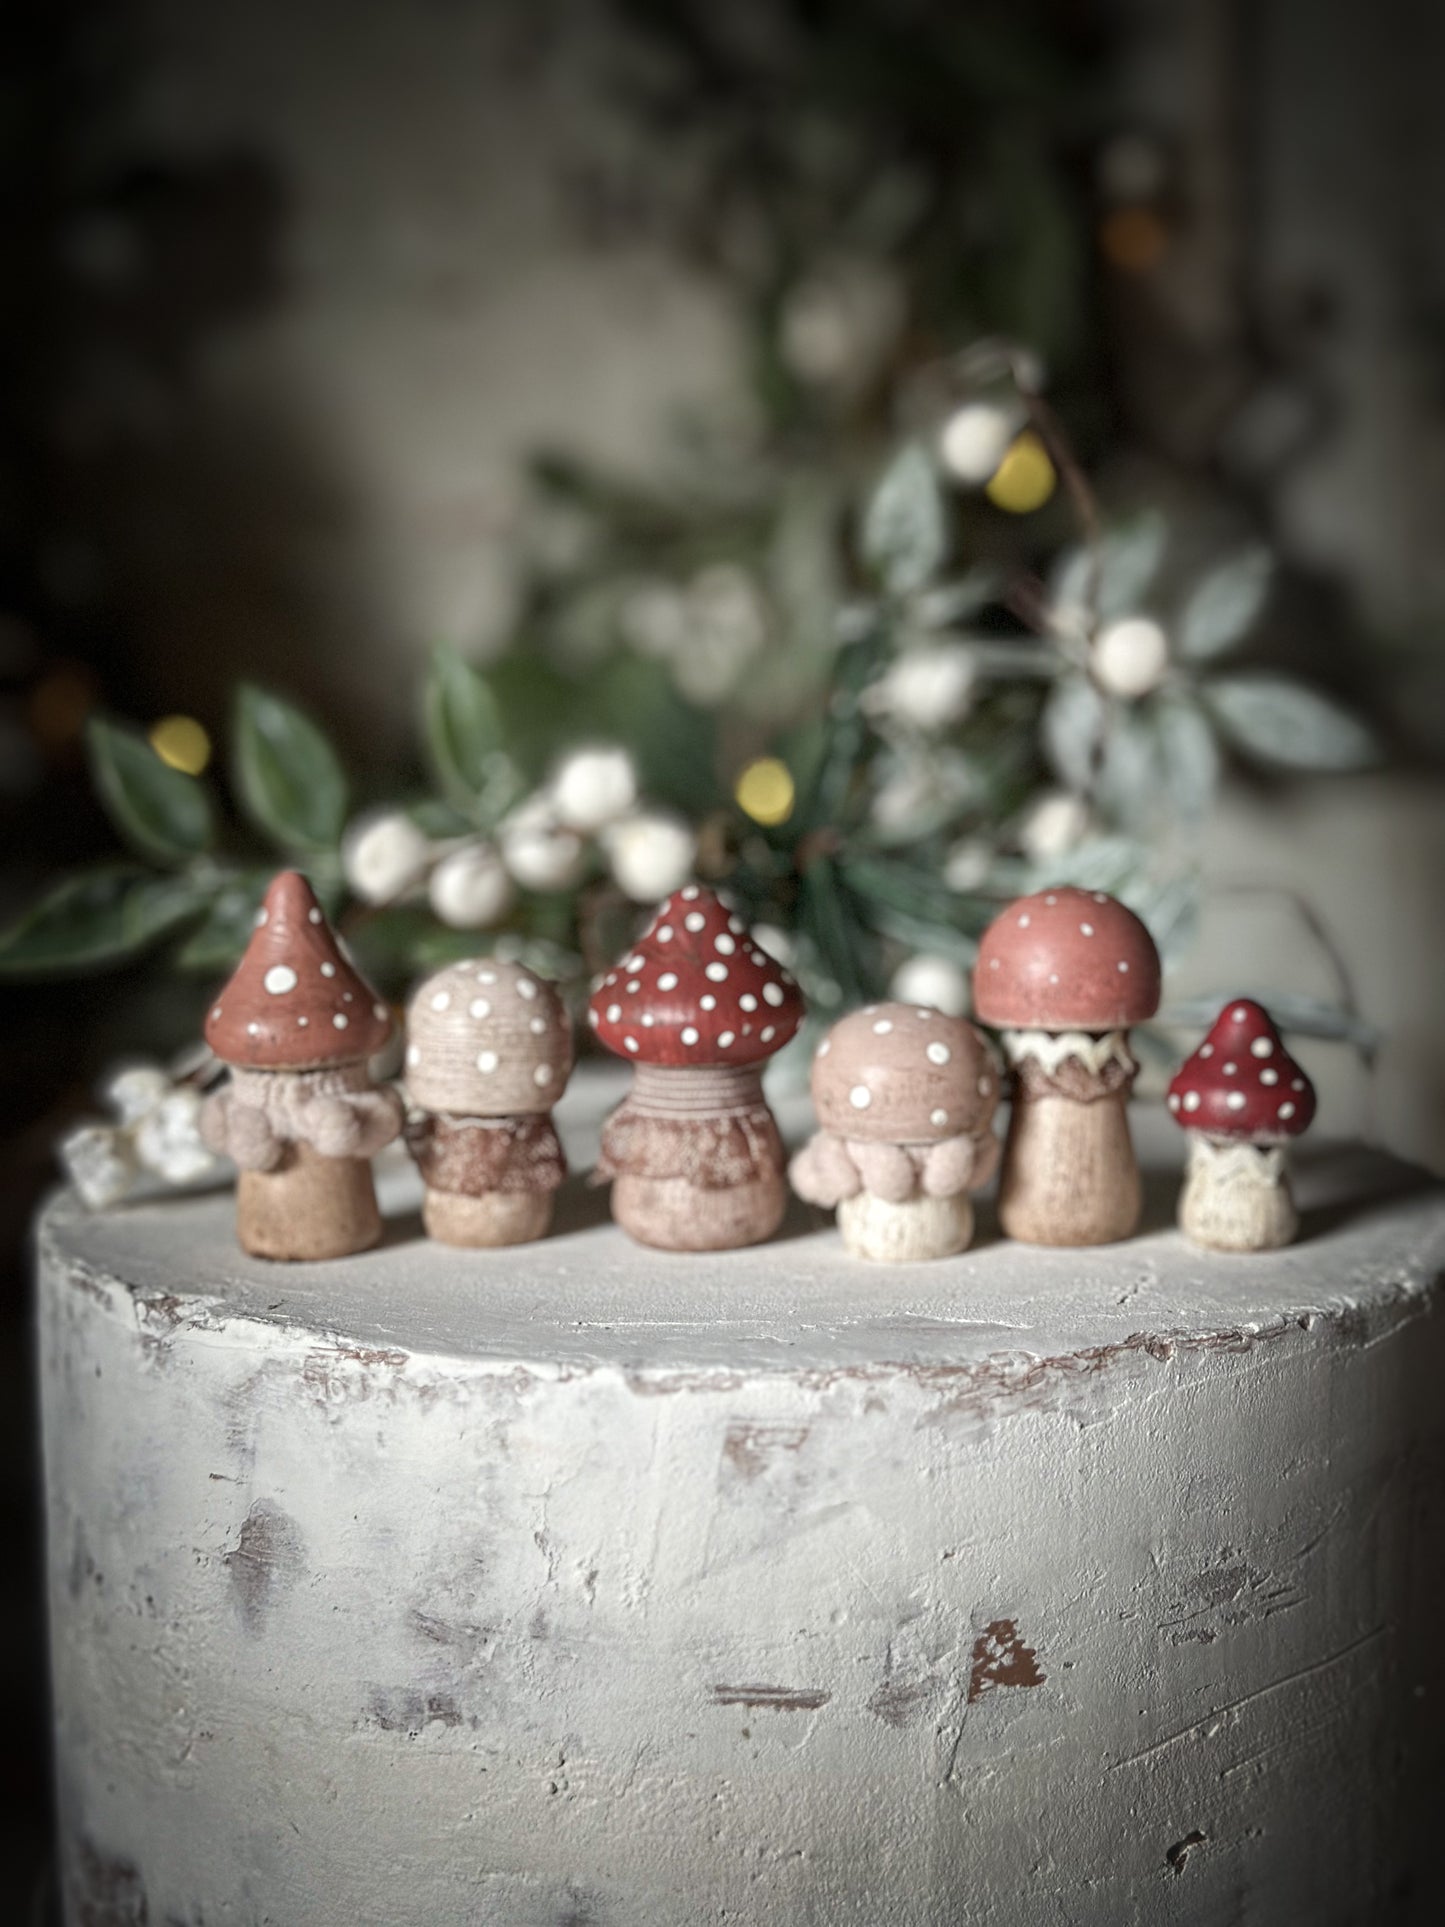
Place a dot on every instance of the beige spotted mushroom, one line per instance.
(1240, 1097)
(299, 1115)
(696, 1007)
(905, 1097)
(488, 1054)
(1064, 974)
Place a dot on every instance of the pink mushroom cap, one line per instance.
(696, 989)
(1242, 1082)
(1066, 959)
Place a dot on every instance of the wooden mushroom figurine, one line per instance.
(1064, 974)
(696, 1007)
(300, 1115)
(905, 1097)
(1240, 1097)
(488, 1054)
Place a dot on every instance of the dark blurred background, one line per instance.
(293, 290)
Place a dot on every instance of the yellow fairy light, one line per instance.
(1025, 478)
(765, 791)
(182, 742)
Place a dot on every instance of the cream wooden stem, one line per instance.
(489, 1220)
(1070, 1176)
(900, 1234)
(1236, 1196)
(307, 1207)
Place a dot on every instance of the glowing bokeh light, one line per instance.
(181, 742)
(765, 791)
(1025, 478)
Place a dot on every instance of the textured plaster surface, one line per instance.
(580, 1583)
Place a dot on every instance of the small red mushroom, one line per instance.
(697, 1007)
(300, 1115)
(1064, 973)
(1240, 1097)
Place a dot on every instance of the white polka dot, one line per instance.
(922, 1010)
(717, 972)
(614, 1011)
(479, 1007)
(767, 1033)
(538, 1026)
(253, 1030)
(1206, 1050)
(1087, 928)
(773, 994)
(860, 1097)
(313, 915)
(215, 1013)
(1269, 1075)
(724, 944)
(747, 1001)
(993, 963)
(413, 1054)
(593, 1019)
(1229, 1069)
(380, 1013)
(1053, 976)
(664, 933)
(825, 1047)
(1192, 1100)
(1174, 1100)
(631, 1043)
(689, 1035)
(1051, 900)
(725, 1038)
(526, 989)
(735, 924)
(542, 1075)
(648, 1020)
(1123, 965)
(938, 1053)
(1262, 1047)
(302, 1022)
(636, 963)
(707, 1001)
(882, 1027)
(668, 980)
(938, 1117)
(1099, 897)
(262, 916)
(633, 987)
(694, 921)
(340, 1020)
(486, 1062)
(1025, 920)
(328, 970)
(1286, 1110)
(1235, 1100)
(490, 977)
(1298, 1084)
(347, 997)
(1241, 1015)
(985, 1085)
(689, 894)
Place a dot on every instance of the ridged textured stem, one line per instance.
(1236, 1197)
(686, 1212)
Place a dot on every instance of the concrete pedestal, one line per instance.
(579, 1583)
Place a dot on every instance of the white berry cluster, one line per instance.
(156, 1130)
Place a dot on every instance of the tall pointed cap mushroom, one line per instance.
(697, 1007)
(489, 1051)
(1064, 973)
(1240, 1097)
(905, 1097)
(296, 1023)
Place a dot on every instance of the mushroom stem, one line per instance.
(899, 1234)
(1069, 1175)
(489, 1181)
(489, 1220)
(1236, 1196)
(695, 1158)
(308, 1206)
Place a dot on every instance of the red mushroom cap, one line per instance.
(1066, 959)
(1242, 1082)
(294, 1002)
(696, 989)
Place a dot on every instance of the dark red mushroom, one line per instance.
(300, 1115)
(697, 1007)
(1064, 973)
(1240, 1097)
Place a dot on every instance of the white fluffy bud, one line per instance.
(931, 979)
(975, 439)
(470, 889)
(135, 1091)
(168, 1139)
(593, 787)
(1053, 826)
(967, 865)
(928, 689)
(651, 854)
(384, 855)
(540, 853)
(779, 944)
(1130, 657)
(98, 1162)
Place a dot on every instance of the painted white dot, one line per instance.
(538, 1026)
(348, 997)
(542, 1075)
(694, 921)
(593, 1019)
(1087, 928)
(1286, 1110)
(689, 892)
(1298, 1084)
(717, 972)
(413, 1055)
(1192, 1100)
(1053, 976)
(380, 1013)
(1025, 920)
(526, 989)
(1099, 897)
(1269, 1075)
(1206, 1050)
(825, 1047)
(302, 1022)
(328, 970)
(725, 1038)
(215, 1013)
(479, 1007)
(636, 962)
(707, 1001)
(340, 1020)
(882, 1027)
(631, 1043)
(724, 944)
(747, 1001)
(614, 1011)
(648, 1020)
(490, 977)
(664, 933)
(1123, 965)
(1262, 1047)
(1174, 1100)
(735, 924)
(262, 916)
(938, 1117)
(1229, 1069)
(985, 1085)
(668, 980)
(486, 1062)
(634, 985)
(1240, 1015)
(313, 915)
(938, 1053)
(689, 1034)
(767, 1033)
(993, 963)
(1235, 1100)
(860, 1097)
(922, 1010)
(1051, 900)
(253, 1030)
(773, 994)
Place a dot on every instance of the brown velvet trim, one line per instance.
(469, 1156)
(1072, 1079)
(713, 1153)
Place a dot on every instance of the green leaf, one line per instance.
(164, 813)
(1188, 759)
(1224, 606)
(215, 945)
(96, 918)
(463, 727)
(287, 774)
(825, 915)
(904, 534)
(1285, 724)
(1074, 723)
(1128, 561)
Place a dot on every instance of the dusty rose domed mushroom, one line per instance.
(696, 1007)
(300, 1115)
(1064, 974)
(1240, 1097)
(905, 1097)
(488, 1054)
